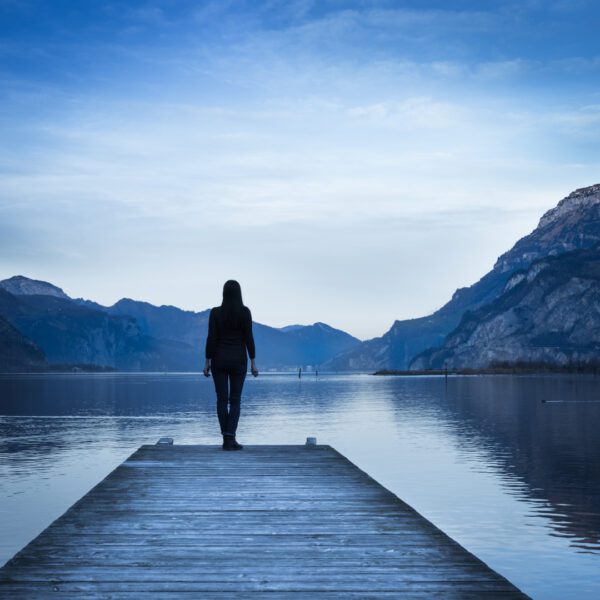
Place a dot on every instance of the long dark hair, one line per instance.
(232, 306)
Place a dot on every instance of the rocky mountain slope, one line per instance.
(69, 333)
(17, 353)
(23, 286)
(133, 335)
(548, 313)
(573, 224)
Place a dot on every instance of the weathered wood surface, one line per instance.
(272, 521)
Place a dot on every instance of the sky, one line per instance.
(351, 162)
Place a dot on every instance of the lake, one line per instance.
(509, 466)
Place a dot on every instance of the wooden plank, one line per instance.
(174, 592)
(285, 521)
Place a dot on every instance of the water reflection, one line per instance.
(540, 433)
(513, 478)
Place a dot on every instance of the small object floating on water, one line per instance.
(168, 441)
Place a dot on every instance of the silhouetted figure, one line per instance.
(229, 336)
(300, 373)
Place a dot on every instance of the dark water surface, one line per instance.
(513, 479)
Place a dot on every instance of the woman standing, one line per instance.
(229, 336)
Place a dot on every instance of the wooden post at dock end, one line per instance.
(166, 441)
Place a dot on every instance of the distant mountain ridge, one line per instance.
(291, 327)
(572, 225)
(133, 335)
(323, 341)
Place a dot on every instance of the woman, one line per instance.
(229, 335)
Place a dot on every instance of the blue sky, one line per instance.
(347, 162)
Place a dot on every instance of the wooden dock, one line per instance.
(269, 521)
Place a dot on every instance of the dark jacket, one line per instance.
(229, 343)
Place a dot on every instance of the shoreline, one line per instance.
(517, 370)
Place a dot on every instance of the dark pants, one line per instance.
(229, 379)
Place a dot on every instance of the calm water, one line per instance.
(513, 479)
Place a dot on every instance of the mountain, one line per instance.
(70, 333)
(291, 328)
(164, 322)
(17, 353)
(137, 336)
(276, 348)
(288, 348)
(319, 342)
(573, 224)
(548, 313)
(23, 286)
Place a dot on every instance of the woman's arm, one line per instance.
(211, 340)
(206, 369)
(253, 367)
(249, 340)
